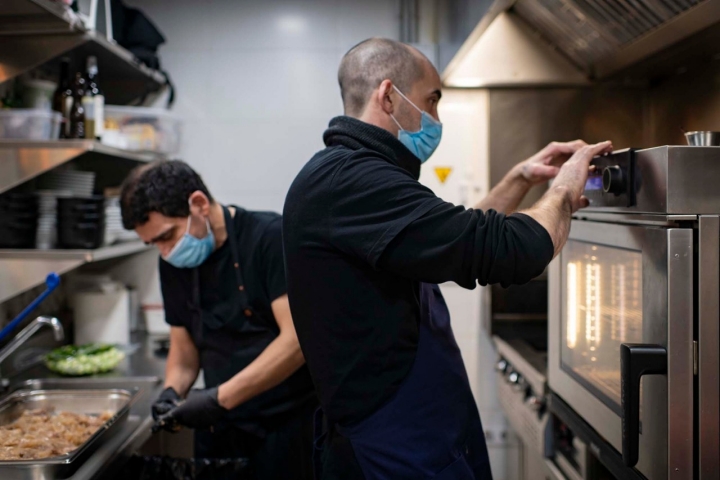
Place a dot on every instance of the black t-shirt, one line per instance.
(360, 234)
(226, 337)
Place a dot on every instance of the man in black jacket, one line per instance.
(365, 243)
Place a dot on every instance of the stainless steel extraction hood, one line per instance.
(509, 54)
(598, 37)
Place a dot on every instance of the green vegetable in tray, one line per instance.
(84, 359)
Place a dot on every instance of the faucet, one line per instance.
(29, 331)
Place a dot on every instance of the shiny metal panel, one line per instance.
(675, 180)
(680, 378)
(709, 348)
(657, 220)
(667, 265)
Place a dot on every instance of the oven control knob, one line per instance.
(614, 180)
(501, 366)
(535, 403)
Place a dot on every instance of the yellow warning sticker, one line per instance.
(443, 173)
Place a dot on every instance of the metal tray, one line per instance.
(87, 402)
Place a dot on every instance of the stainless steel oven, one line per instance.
(626, 308)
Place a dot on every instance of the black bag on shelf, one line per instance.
(168, 468)
(136, 33)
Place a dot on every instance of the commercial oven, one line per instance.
(633, 310)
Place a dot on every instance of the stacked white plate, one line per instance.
(114, 231)
(47, 233)
(79, 183)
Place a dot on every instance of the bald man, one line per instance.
(365, 245)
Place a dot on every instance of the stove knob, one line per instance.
(614, 180)
(501, 366)
(516, 381)
(535, 403)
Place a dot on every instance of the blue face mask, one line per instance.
(189, 251)
(423, 142)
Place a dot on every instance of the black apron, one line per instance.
(230, 334)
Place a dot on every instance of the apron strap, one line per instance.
(319, 435)
(232, 239)
(232, 243)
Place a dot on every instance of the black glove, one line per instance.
(201, 410)
(167, 400)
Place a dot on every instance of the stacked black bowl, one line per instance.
(18, 220)
(80, 222)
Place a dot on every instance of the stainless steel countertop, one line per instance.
(136, 430)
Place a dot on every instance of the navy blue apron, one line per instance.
(243, 332)
(431, 428)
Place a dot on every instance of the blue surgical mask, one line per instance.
(189, 251)
(423, 142)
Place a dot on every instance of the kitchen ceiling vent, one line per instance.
(589, 30)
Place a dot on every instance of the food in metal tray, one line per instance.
(43, 433)
(85, 359)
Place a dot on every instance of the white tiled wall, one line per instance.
(257, 83)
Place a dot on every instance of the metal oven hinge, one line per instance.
(695, 357)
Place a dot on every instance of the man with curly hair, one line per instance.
(223, 284)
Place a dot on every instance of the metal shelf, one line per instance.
(87, 256)
(21, 161)
(36, 17)
(36, 33)
(21, 270)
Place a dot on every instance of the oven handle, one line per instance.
(636, 360)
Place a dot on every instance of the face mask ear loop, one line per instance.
(209, 229)
(396, 122)
(407, 99)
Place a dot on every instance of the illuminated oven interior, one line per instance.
(603, 308)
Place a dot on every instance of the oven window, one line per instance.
(603, 308)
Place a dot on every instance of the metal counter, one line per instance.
(137, 367)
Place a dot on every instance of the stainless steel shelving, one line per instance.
(21, 270)
(29, 17)
(21, 161)
(87, 256)
(38, 32)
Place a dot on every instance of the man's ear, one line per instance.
(199, 204)
(385, 97)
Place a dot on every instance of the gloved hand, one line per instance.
(167, 400)
(200, 410)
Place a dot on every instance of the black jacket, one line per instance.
(360, 233)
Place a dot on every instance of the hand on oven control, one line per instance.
(573, 175)
(546, 163)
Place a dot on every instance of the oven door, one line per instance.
(617, 284)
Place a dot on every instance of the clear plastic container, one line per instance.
(29, 124)
(142, 128)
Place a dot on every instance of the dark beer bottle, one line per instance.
(63, 97)
(77, 112)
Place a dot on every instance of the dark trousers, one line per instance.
(284, 454)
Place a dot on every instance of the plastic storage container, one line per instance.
(142, 128)
(29, 124)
